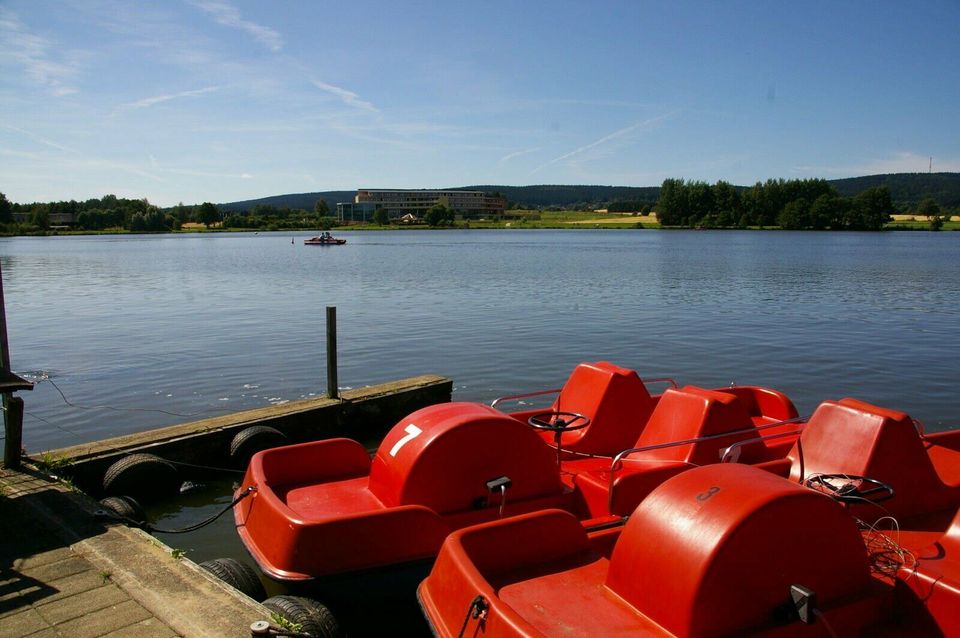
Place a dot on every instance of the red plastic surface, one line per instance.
(720, 547)
(935, 579)
(323, 508)
(686, 414)
(693, 412)
(712, 552)
(613, 398)
(854, 437)
(460, 447)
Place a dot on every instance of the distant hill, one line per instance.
(907, 187)
(904, 188)
(559, 195)
(305, 201)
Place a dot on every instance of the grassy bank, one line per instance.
(522, 219)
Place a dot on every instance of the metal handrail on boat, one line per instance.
(707, 437)
(727, 454)
(527, 395)
(617, 462)
(514, 397)
(669, 380)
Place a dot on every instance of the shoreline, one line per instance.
(627, 221)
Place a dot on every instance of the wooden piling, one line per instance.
(332, 384)
(10, 383)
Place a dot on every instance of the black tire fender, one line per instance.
(253, 439)
(312, 617)
(125, 507)
(145, 477)
(238, 575)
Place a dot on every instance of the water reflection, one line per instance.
(188, 324)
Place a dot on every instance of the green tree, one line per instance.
(40, 218)
(825, 211)
(439, 215)
(795, 215)
(672, 202)
(873, 208)
(6, 210)
(381, 217)
(928, 206)
(181, 213)
(209, 214)
(321, 208)
(931, 209)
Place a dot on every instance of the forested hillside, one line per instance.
(906, 190)
(944, 188)
(306, 201)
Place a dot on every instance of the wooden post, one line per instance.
(12, 406)
(332, 386)
(13, 420)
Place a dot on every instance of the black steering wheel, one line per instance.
(851, 488)
(558, 422)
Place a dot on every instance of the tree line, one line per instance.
(790, 204)
(107, 212)
(139, 215)
(270, 217)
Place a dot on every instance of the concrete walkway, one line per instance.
(64, 573)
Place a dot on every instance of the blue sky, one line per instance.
(223, 100)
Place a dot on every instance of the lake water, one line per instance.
(165, 329)
(144, 331)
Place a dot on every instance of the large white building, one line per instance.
(466, 204)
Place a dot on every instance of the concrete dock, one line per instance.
(65, 573)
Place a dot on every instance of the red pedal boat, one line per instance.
(326, 239)
(325, 508)
(734, 550)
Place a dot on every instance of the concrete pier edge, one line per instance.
(363, 414)
(181, 596)
(176, 591)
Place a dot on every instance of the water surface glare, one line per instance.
(145, 331)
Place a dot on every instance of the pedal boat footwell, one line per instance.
(325, 507)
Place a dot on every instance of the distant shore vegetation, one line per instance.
(806, 204)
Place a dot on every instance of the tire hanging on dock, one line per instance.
(238, 575)
(126, 508)
(145, 477)
(249, 441)
(312, 617)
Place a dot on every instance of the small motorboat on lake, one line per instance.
(324, 239)
(854, 532)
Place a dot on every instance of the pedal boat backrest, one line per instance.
(857, 438)
(712, 419)
(442, 456)
(690, 426)
(715, 551)
(615, 400)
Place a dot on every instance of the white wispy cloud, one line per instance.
(229, 16)
(41, 140)
(35, 55)
(157, 99)
(71, 158)
(510, 156)
(621, 134)
(347, 97)
(195, 173)
(247, 127)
